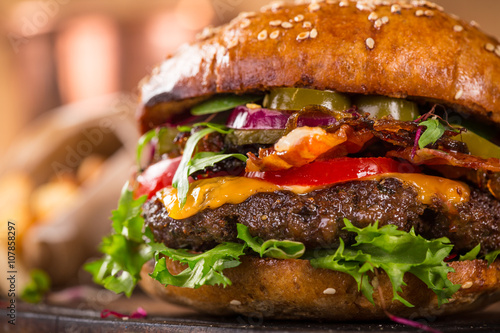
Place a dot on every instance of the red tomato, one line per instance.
(332, 171)
(156, 177)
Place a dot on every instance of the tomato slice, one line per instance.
(332, 171)
(156, 177)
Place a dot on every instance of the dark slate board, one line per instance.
(47, 318)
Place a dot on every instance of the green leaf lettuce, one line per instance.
(396, 252)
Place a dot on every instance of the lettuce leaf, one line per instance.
(223, 102)
(396, 252)
(271, 248)
(472, 254)
(203, 269)
(492, 256)
(125, 251)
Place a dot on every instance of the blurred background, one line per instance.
(69, 71)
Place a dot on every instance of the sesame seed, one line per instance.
(274, 34)
(406, 5)
(458, 28)
(299, 18)
(275, 23)
(373, 16)
(344, 4)
(467, 285)
(370, 43)
(235, 302)
(286, 25)
(386, 3)
(396, 9)
(430, 4)
(329, 291)
(247, 14)
(419, 12)
(474, 24)
(303, 35)
(385, 20)
(232, 43)
(262, 35)
(274, 6)
(378, 23)
(365, 6)
(459, 94)
(314, 33)
(277, 5)
(489, 47)
(245, 23)
(429, 13)
(497, 51)
(206, 33)
(306, 25)
(314, 7)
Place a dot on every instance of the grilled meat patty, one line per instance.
(316, 218)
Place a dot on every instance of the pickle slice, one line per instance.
(380, 106)
(478, 146)
(297, 98)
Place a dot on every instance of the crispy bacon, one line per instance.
(428, 156)
(396, 132)
(351, 135)
(305, 144)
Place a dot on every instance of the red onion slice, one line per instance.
(261, 119)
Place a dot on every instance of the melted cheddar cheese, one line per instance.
(215, 192)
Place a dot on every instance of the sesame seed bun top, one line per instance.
(394, 48)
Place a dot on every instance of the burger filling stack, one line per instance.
(330, 159)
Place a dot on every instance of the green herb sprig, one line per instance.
(190, 164)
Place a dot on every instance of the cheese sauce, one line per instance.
(215, 192)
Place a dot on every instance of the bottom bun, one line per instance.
(292, 289)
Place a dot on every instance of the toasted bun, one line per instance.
(292, 289)
(412, 51)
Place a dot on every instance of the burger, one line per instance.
(319, 160)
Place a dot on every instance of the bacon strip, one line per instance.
(305, 144)
(428, 156)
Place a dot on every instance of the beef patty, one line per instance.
(316, 218)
